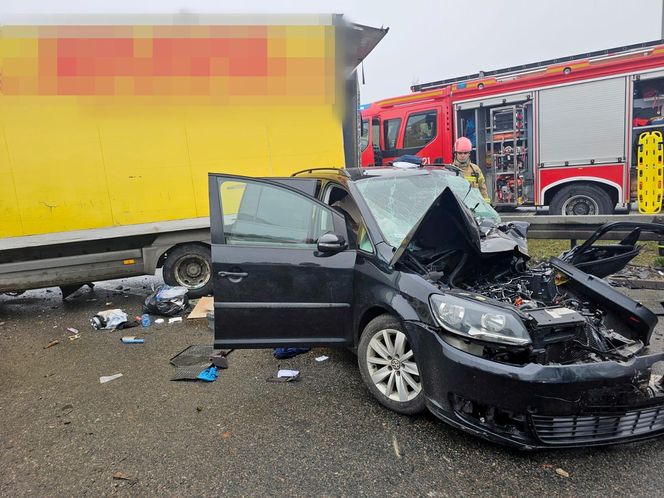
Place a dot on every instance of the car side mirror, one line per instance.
(331, 242)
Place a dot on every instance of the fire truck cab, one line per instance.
(562, 133)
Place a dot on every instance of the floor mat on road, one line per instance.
(192, 361)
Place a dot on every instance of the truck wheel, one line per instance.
(579, 200)
(190, 266)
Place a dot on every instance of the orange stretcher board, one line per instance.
(650, 172)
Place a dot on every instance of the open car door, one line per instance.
(282, 270)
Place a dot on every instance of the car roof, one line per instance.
(355, 174)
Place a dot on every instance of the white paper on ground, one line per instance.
(287, 373)
(175, 319)
(322, 358)
(107, 378)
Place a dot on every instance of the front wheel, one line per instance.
(388, 367)
(190, 266)
(580, 200)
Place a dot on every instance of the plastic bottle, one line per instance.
(145, 320)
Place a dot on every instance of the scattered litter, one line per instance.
(219, 360)
(108, 304)
(199, 409)
(284, 353)
(110, 320)
(322, 358)
(209, 374)
(204, 305)
(167, 301)
(145, 320)
(226, 435)
(277, 378)
(395, 445)
(192, 361)
(287, 373)
(175, 320)
(159, 321)
(121, 476)
(51, 344)
(72, 330)
(130, 339)
(74, 337)
(2, 323)
(562, 473)
(108, 378)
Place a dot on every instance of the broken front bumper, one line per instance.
(539, 406)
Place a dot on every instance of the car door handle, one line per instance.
(233, 276)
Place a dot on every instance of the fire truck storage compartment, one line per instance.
(499, 129)
(583, 123)
(648, 102)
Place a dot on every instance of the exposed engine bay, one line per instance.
(572, 316)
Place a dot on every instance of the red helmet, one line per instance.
(462, 145)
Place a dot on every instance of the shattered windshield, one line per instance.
(398, 202)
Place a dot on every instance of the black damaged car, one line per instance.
(414, 270)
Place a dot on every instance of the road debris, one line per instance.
(51, 344)
(121, 476)
(322, 358)
(108, 378)
(130, 339)
(287, 373)
(284, 353)
(109, 319)
(395, 445)
(167, 301)
(203, 306)
(562, 473)
(175, 319)
(159, 321)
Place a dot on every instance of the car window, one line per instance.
(256, 213)
(363, 240)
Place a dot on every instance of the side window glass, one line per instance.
(364, 136)
(363, 240)
(375, 133)
(420, 129)
(258, 214)
(391, 130)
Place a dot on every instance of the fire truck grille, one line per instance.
(598, 428)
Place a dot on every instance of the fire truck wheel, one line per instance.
(580, 200)
(190, 266)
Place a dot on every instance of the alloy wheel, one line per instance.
(391, 364)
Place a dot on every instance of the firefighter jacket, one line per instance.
(474, 175)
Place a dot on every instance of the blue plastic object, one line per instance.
(209, 374)
(283, 353)
(145, 320)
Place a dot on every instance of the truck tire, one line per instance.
(190, 266)
(581, 199)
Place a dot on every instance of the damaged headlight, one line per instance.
(476, 320)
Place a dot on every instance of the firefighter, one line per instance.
(471, 171)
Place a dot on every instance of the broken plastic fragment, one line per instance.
(175, 319)
(322, 358)
(108, 378)
(288, 373)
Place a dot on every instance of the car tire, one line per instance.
(190, 266)
(387, 366)
(581, 199)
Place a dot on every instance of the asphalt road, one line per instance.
(62, 433)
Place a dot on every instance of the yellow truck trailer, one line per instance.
(108, 132)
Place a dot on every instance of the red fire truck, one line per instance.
(561, 133)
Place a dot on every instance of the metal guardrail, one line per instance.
(581, 227)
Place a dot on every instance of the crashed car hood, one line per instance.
(449, 224)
